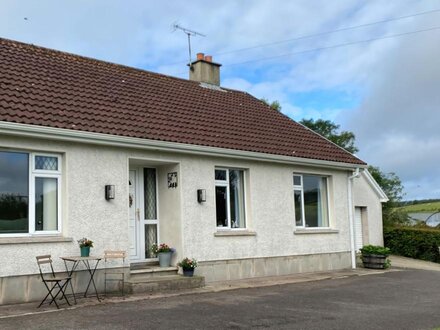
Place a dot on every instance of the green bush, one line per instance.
(374, 249)
(417, 243)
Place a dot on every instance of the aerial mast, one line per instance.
(189, 33)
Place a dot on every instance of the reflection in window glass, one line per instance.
(221, 206)
(220, 175)
(311, 204)
(14, 196)
(298, 208)
(46, 204)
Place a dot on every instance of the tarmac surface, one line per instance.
(359, 299)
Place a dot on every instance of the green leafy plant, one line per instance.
(188, 263)
(162, 248)
(375, 249)
(84, 242)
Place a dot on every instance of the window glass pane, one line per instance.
(220, 175)
(297, 180)
(236, 199)
(315, 201)
(150, 193)
(298, 208)
(47, 163)
(221, 206)
(14, 196)
(46, 204)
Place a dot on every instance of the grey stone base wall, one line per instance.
(223, 270)
(28, 288)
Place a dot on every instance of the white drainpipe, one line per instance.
(351, 216)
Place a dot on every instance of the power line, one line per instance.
(335, 46)
(329, 32)
(329, 47)
(320, 34)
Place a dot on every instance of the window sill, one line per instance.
(315, 231)
(34, 239)
(223, 233)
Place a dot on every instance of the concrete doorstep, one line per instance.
(16, 310)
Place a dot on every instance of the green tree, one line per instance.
(393, 188)
(330, 130)
(274, 104)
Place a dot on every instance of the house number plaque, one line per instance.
(172, 180)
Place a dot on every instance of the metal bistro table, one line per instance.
(88, 262)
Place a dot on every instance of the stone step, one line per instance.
(164, 283)
(152, 272)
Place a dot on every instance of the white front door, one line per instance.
(144, 220)
(358, 228)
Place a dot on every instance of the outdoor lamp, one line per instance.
(201, 195)
(109, 192)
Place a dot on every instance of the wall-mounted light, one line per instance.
(109, 192)
(201, 195)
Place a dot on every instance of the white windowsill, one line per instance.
(301, 231)
(222, 233)
(34, 239)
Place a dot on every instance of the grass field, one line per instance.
(425, 207)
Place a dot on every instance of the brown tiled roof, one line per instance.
(45, 87)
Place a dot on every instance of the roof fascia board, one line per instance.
(62, 134)
(373, 183)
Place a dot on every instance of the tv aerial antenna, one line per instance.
(189, 33)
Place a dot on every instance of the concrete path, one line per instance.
(403, 262)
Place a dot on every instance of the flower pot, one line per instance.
(164, 259)
(188, 272)
(85, 251)
(375, 261)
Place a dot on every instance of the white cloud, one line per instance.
(398, 78)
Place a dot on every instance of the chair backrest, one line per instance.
(110, 254)
(111, 258)
(42, 260)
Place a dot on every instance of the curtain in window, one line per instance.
(46, 204)
(150, 193)
(236, 191)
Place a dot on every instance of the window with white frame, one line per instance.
(230, 198)
(311, 200)
(29, 193)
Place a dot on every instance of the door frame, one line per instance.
(140, 210)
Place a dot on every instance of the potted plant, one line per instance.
(376, 257)
(164, 253)
(188, 265)
(85, 245)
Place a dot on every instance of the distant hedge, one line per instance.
(417, 243)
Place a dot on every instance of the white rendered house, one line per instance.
(211, 171)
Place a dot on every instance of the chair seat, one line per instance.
(57, 279)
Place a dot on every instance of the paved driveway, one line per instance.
(395, 300)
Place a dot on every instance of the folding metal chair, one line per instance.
(54, 285)
(114, 274)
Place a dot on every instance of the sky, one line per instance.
(373, 67)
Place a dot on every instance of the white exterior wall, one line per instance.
(364, 196)
(185, 224)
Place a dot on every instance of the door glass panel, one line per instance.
(46, 206)
(150, 239)
(14, 195)
(221, 206)
(150, 193)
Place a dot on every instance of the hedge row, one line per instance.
(418, 243)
